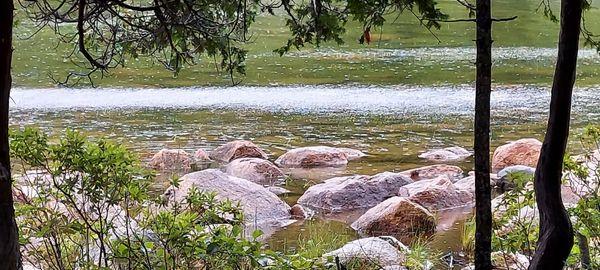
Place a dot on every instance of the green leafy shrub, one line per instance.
(583, 175)
(86, 205)
(516, 231)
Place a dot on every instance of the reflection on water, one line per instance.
(444, 54)
(393, 100)
(393, 125)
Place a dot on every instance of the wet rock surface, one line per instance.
(353, 192)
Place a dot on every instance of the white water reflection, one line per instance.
(443, 54)
(451, 100)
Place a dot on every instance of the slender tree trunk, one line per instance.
(584, 250)
(9, 246)
(556, 233)
(483, 209)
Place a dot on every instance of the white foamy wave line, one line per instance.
(302, 99)
(443, 54)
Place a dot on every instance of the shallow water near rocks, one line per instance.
(393, 125)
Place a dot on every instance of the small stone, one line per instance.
(299, 212)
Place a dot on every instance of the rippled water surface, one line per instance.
(391, 124)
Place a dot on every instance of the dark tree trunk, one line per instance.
(483, 209)
(556, 233)
(9, 246)
(584, 250)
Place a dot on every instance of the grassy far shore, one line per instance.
(39, 58)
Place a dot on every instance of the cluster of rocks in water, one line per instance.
(397, 205)
(393, 207)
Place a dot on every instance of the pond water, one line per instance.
(393, 125)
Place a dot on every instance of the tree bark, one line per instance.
(10, 257)
(556, 233)
(483, 209)
(584, 251)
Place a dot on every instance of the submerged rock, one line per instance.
(237, 149)
(385, 252)
(171, 160)
(317, 156)
(396, 216)
(256, 170)
(521, 152)
(353, 192)
(428, 172)
(260, 206)
(315, 174)
(447, 154)
(436, 194)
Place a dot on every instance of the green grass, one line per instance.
(317, 239)
(39, 58)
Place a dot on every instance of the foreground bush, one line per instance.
(517, 221)
(87, 205)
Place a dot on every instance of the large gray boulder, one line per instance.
(447, 154)
(317, 156)
(429, 172)
(396, 216)
(237, 149)
(384, 252)
(260, 206)
(257, 170)
(353, 192)
(436, 194)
